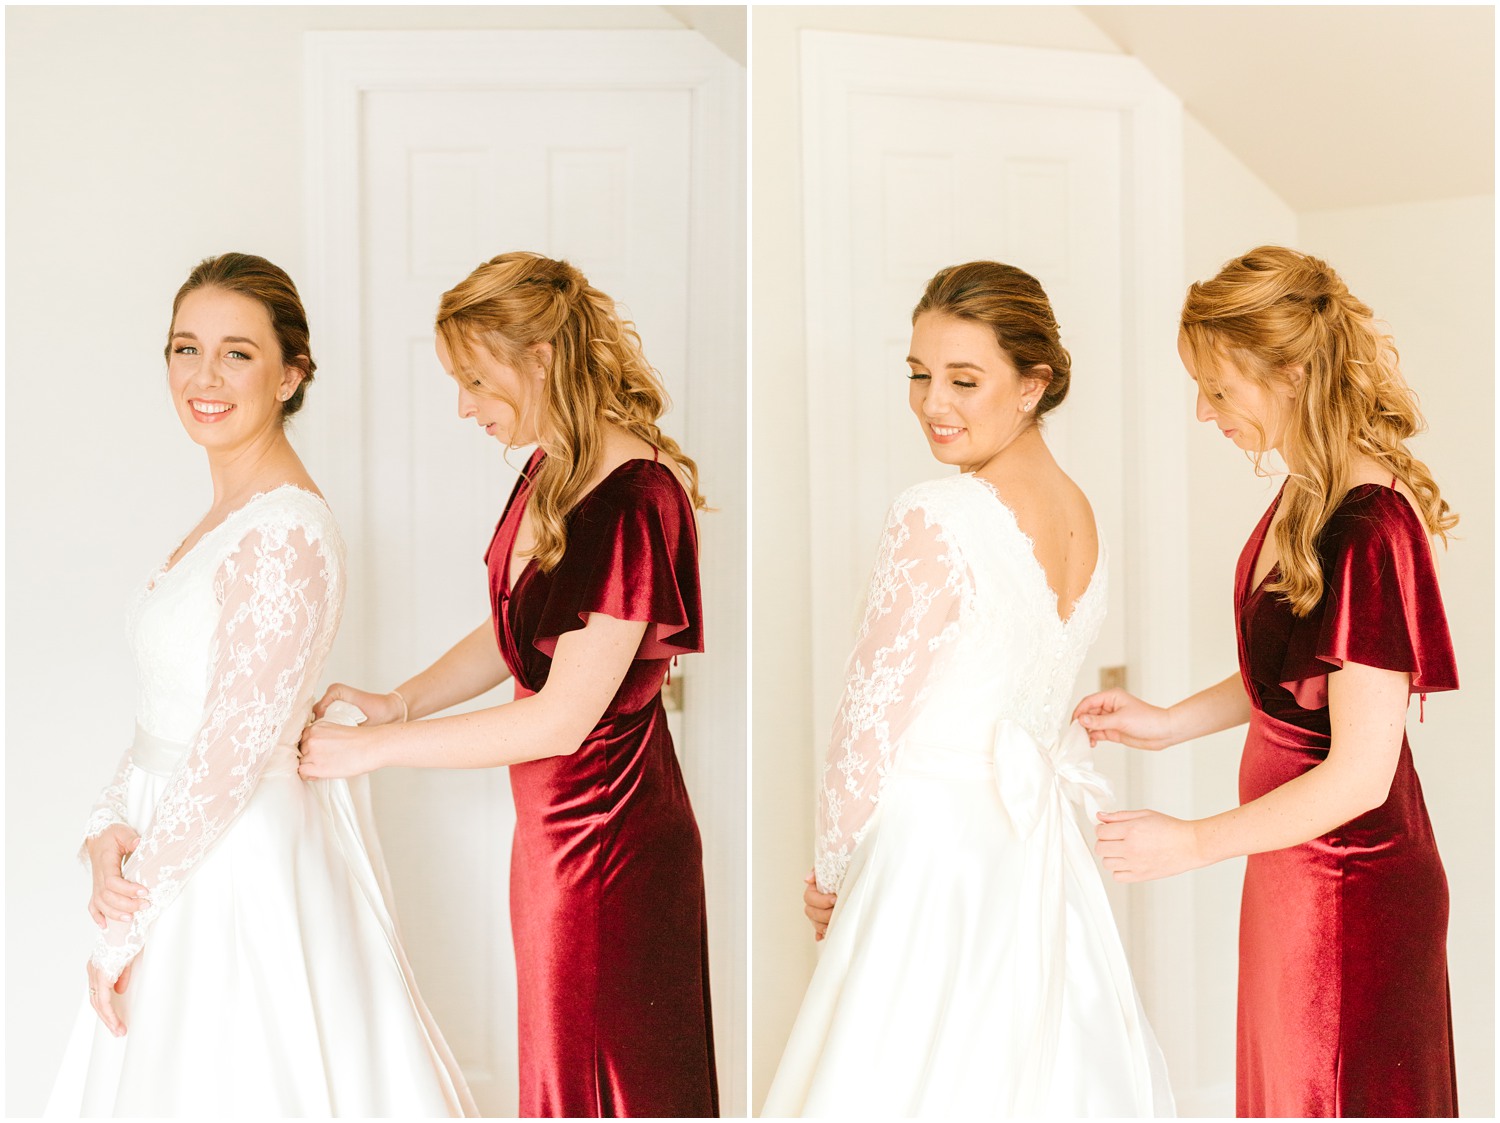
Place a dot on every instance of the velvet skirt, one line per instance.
(1344, 1006)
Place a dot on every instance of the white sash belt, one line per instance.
(160, 757)
(154, 754)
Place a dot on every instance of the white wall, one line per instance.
(1448, 327)
(138, 141)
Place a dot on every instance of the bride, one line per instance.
(971, 965)
(248, 959)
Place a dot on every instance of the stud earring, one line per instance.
(1026, 407)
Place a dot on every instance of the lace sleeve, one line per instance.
(110, 808)
(911, 613)
(277, 590)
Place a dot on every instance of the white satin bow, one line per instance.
(1027, 773)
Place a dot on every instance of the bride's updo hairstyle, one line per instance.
(257, 278)
(1273, 310)
(597, 374)
(1010, 303)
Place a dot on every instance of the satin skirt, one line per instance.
(275, 984)
(970, 971)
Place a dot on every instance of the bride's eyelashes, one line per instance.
(923, 376)
(190, 349)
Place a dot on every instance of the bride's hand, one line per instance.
(1114, 715)
(1146, 845)
(102, 997)
(113, 898)
(818, 906)
(379, 709)
(337, 752)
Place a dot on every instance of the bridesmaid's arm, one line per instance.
(1367, 710)
(1115, 715)
(466, 670)
(587, 668)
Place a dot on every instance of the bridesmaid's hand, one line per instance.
(379, 709)
(818, 906)
(336, 752)
(1146, 845)
(102, 997)
(1114, 715)
(113, 897)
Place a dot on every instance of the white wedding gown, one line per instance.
(972, 967)
(268, 976)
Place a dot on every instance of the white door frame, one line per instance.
(837, 66)
(339, 68)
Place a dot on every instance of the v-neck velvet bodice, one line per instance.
(1381, 607)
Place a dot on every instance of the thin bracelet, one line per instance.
(405, 712)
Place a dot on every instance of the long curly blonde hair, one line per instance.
(1272, 310)
(597, 375)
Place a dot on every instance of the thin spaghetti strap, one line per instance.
(1393, 482)
(655, 455)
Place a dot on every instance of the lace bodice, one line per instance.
(229, 644)
(960, 631)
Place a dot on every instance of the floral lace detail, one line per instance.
(911, 615)
(277, 587)
(960, 630)
(110, 808)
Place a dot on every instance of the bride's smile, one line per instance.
(226, 370)
(967, 393)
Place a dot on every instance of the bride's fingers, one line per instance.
(99, 1000)
(123, 885)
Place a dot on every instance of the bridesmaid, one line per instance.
(1343, 987)
(593, 576)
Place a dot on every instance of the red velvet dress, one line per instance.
(606, 879)
(1343, 988)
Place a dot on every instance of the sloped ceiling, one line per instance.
(1332, 106)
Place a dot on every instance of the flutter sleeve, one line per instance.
(911, 616)
(278, 593)
(631, 553)
(1381, 606)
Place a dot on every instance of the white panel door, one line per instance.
(450, 179)
(920, 154)
(939, 181)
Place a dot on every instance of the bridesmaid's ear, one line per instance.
(1296, 374)
(541, 354)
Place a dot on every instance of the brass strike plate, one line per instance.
(671, 695)
(1112, 678)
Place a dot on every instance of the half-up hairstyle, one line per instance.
(257, 278)
(597, 374)
(1010, 303)
(1275, 309)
